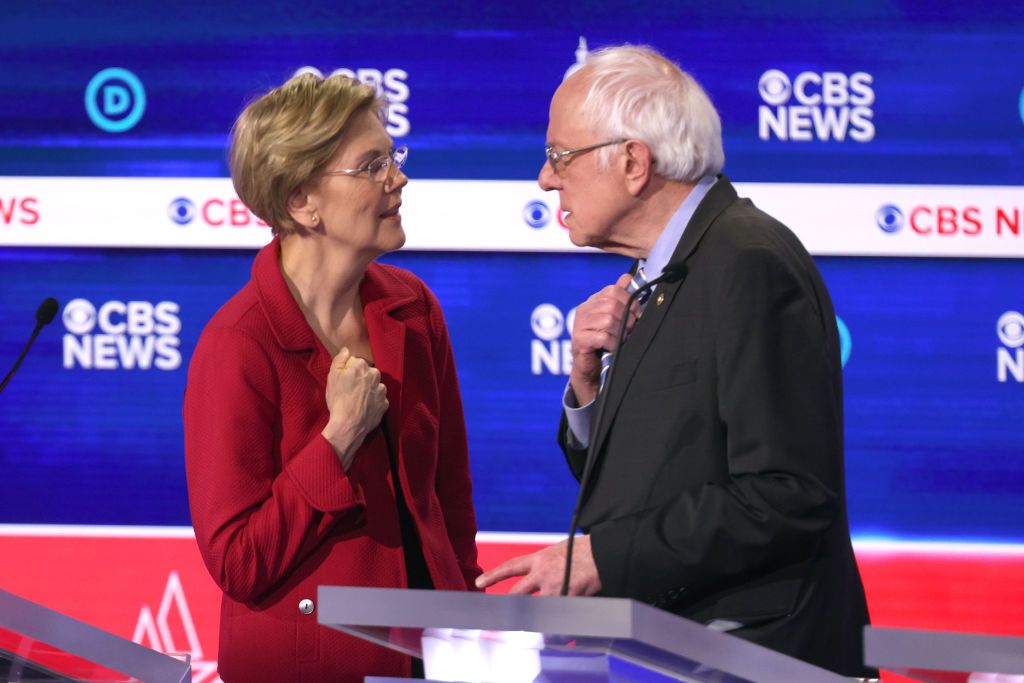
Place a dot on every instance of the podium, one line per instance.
(39, 644)
(474, 637)
(942, 656)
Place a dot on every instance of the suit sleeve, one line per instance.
(575, 456)
(779, 406)
(254, 520)
(454, 486)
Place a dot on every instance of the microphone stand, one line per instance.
(671, 272)
(44, 314)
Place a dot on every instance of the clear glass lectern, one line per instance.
(478, 638)
(945, 656)
(39, 644)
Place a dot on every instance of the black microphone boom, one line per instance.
(44, 316)
(670, 273)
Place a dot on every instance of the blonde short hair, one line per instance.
(288, 136)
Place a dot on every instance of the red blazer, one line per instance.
(275, 515)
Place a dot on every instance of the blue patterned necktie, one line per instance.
(638, 281)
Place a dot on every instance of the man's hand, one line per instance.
(542, 571)
(595, 329)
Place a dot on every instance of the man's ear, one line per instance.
(302, 208)
(639, 166)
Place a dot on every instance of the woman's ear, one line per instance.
(302, 208)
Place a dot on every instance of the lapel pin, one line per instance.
(661, 298)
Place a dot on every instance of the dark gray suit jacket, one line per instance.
(718, 490)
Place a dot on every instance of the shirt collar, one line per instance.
(666, 243)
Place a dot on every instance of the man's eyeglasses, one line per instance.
(554, 157)
(380, 169)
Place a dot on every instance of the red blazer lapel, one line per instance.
(382, 295)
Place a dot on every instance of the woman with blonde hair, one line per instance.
(324, 434)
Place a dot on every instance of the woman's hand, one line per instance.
(356, 401)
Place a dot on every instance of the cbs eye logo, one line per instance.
(889, 218)
(774, 87)
(79, 316)
(548, 323)
(182, 210)
(1010, 329)
(536, 214)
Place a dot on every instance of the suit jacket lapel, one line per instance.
(382, 295)
(629, 355)
(387, 339)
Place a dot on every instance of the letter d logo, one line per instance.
(115, 100)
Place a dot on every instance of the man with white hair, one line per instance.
(717, 490)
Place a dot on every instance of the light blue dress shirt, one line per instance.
(579, 417)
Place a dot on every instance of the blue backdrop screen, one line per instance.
(867, 93)
(940, 102)
(932, 434)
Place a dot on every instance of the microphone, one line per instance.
(672, 272)
(44, 316)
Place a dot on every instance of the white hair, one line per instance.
(637, 93)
